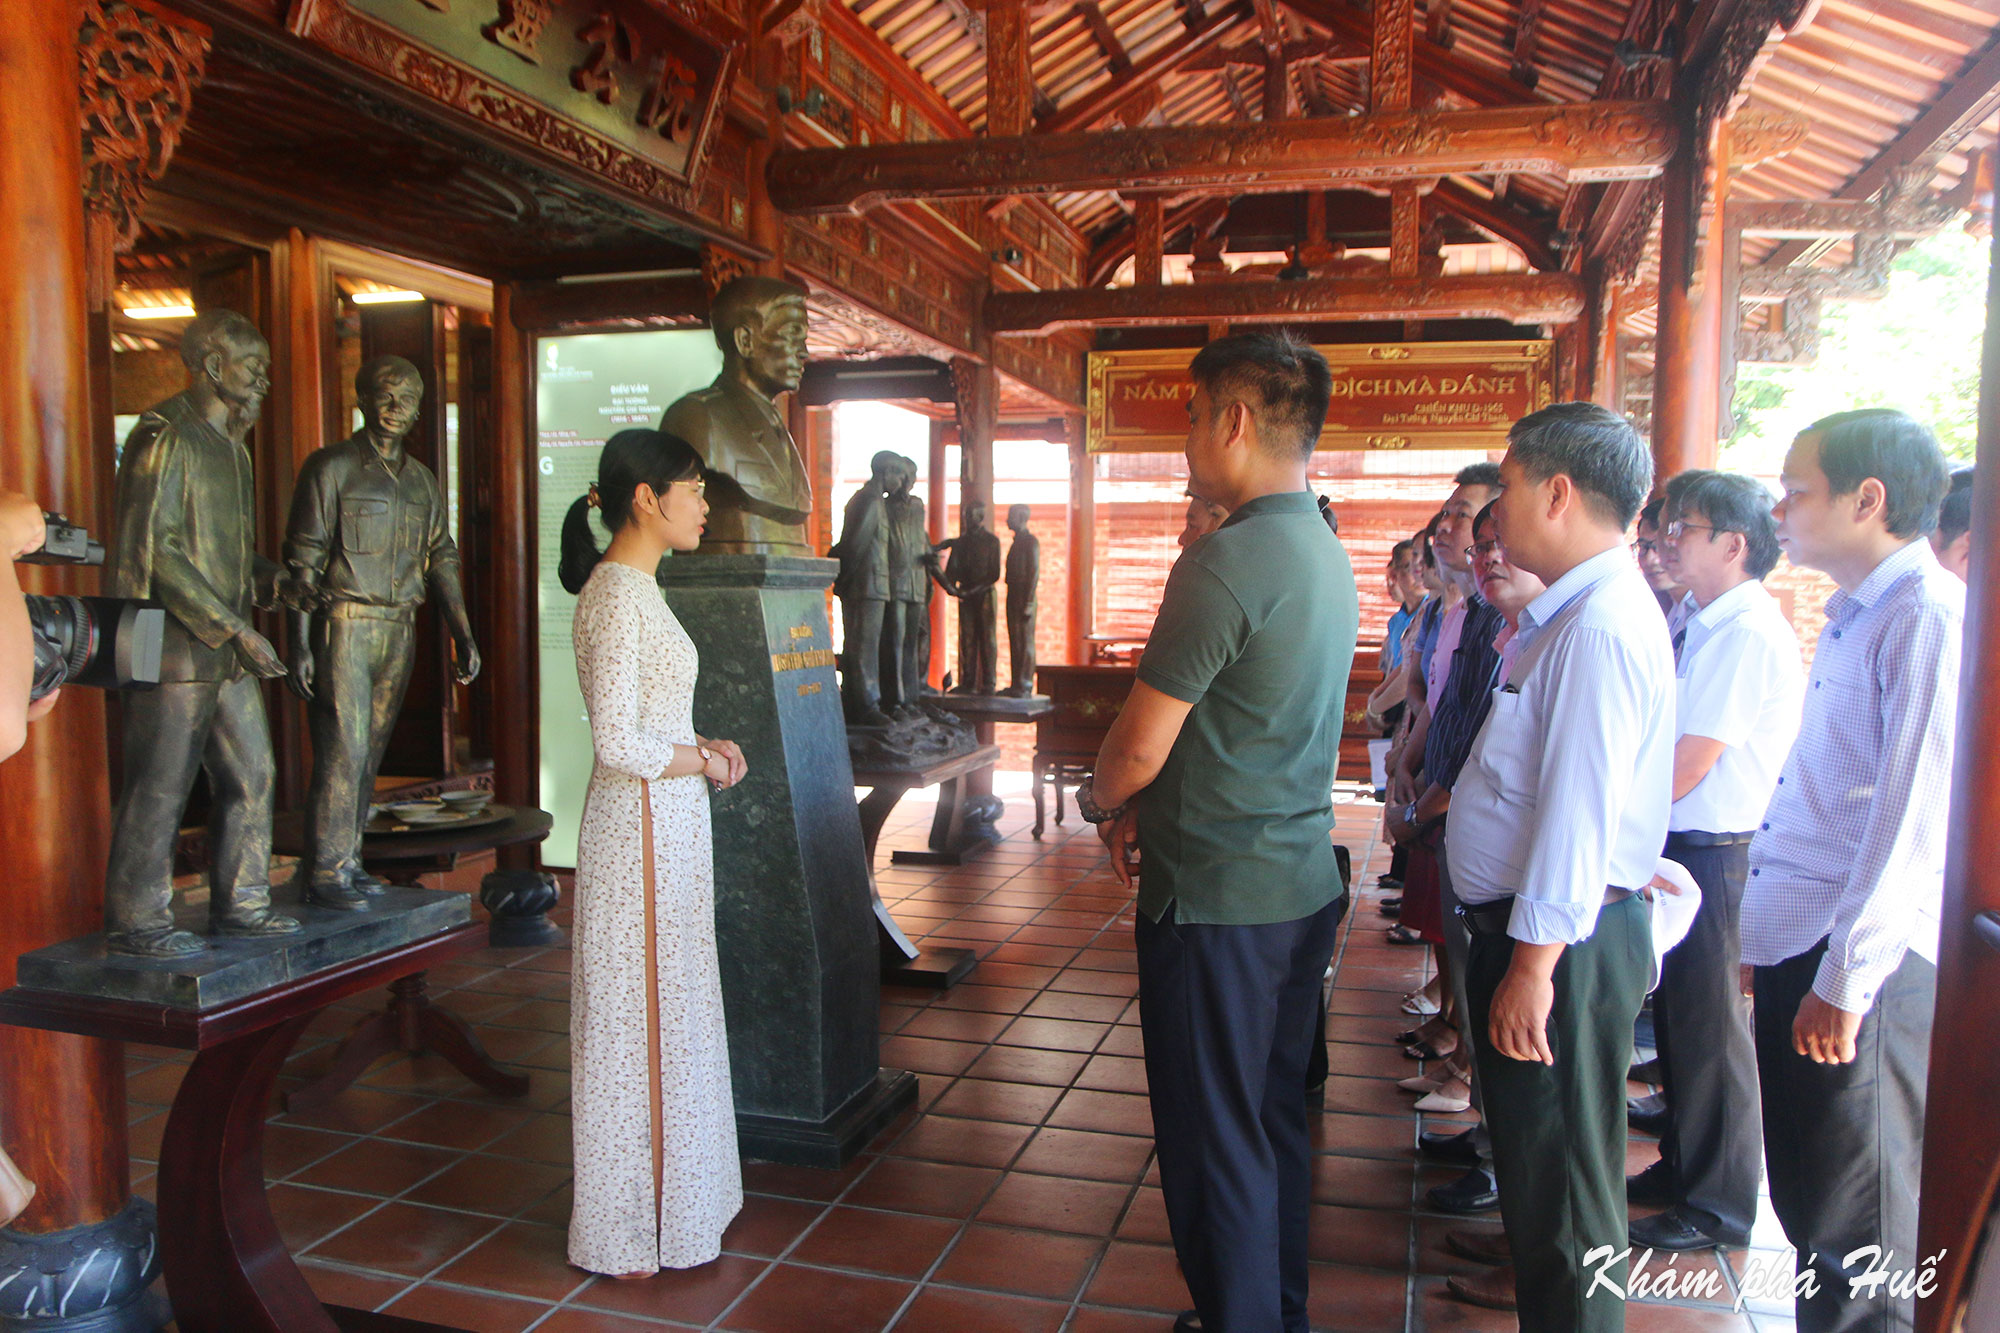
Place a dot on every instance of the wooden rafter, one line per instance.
(1519, 298)
(1116, 57)
(1581, 141)
(1094, 106)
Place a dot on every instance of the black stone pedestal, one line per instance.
(88, 1279)
(795, 931)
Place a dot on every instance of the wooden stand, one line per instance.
(905, 963)
(227, 1270)
(411, 1023)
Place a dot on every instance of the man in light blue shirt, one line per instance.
(1557, 821)
(1840, 917)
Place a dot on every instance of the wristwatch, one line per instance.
(1092, 812)
(1410, 814)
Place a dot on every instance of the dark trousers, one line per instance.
(1227, 1014)
(1559, 1130)
(1458, 951)
(1714, 1142)
(1845, 1143)
(170, 731)
(361, 667)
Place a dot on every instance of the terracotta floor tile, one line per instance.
(451, 1308)
(1056, 935)
(553, 1211)
(767, 1226)
(1143, 1277)
(967, 1142)
(999, 971)
(1348, 1300)
(543, 1138)
(1083, 981)
(957, 1025)
(985, 1099)
(404, 1238)
(1360, 1237)
(490, 1185)
(1108, 1112)
(1070, 1004)
(791, 1299)
(924, 1187)
(893, 1244)
(1118, 1321)
(521, 1259)
(1123, 1040)
(575, 1319)
(448, 1124)
(1114, 1073)
(1363, 1182)
(1035, 1263)
(1084, 1155)
(689, 1295)
(290, 1148)
(1056, 1034)
(1145, 1220)
(987, 999)
(378, 1166)
(359, 1110)
(1364, 1135)
(1372, 1096)
(144, 1136)
(941, 1310)
(1048, 957)
(1433, 1309)
(926, 1055)
(802, 1182)
(1086, 1207)
(307, 1216)
(355, 1291)
(1024, 1064)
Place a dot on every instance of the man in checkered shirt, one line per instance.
(1840, 915)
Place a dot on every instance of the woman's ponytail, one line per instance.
(579, 546)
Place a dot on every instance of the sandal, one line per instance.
(1424, 1050)
(1434, 1026)
(1404, 935)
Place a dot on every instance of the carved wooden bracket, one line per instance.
(1519, 298)
(1582, 141)
(139, 66)
(719, 266)
(1757, 136)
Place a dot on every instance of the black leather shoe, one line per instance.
(1187, 1321)
(1454, 1149)
(1653, 1187)
(1473, 1192)
(1646, 1071)
(1675, 1231)
(1648, 1115)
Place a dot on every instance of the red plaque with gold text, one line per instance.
(1385, 396)
(628, 91)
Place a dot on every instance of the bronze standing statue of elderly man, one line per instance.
(367, 536)
(758, 493)
(186, 513)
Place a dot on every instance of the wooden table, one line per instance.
(226, 1268)
(411, 1023)
(905, 963)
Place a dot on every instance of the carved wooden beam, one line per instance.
(139, 68)
(1528, 41)
(1115, 54)
(1095, 106)
(1529, 235)
(1009, 95)
(1583, 141)
(1391, 79)
(1204, 215)
(1432, 63)
(1519, 298)
(1149, 240)
(1406, 228)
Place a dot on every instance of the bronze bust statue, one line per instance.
(758, 492)
(367, 536)
(186, 515)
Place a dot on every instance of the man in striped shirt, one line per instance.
(1840, 915)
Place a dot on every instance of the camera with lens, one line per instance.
(112, 643)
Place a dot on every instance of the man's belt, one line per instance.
(1491, 918)
(370, 611)
(1696, 838)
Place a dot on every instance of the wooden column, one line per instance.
(935, 501)
(1010, 101)
(1391, 65)
(1082, 543)
(62, 1098)
(513, 663)
(1961, 1155)
(978, 418)
(1149, 242)
(1687, 379)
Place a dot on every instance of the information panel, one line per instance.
(1461, 395)
(588, 387)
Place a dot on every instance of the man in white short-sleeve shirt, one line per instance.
(1739, 687)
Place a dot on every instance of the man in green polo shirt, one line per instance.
(1213, 787)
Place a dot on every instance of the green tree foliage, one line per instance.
(1917, 349)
